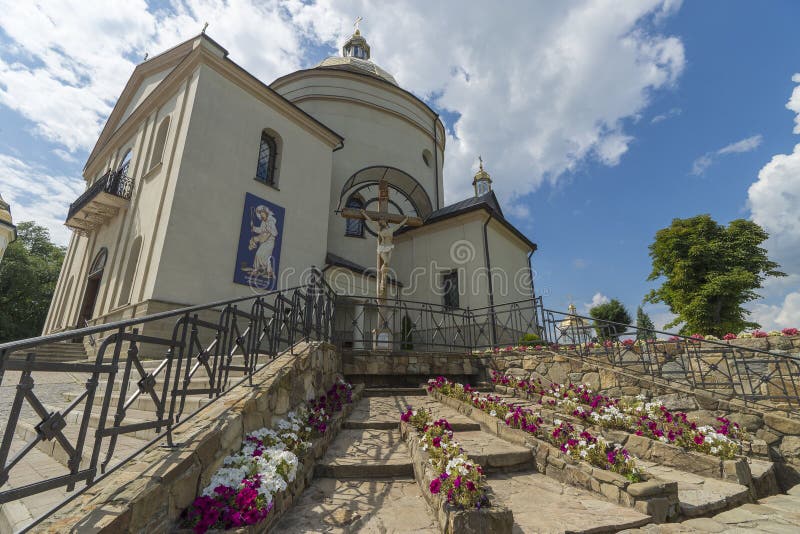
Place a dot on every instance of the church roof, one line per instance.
(354, 64)
(487, 202)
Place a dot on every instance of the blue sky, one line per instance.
(600, 121)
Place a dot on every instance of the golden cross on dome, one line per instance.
(357, 22)
(204, 27)
(480, 159)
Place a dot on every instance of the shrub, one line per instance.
(529, 339)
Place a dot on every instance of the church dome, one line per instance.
(355, 58)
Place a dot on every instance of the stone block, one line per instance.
(610, 491)
(651, 488)
(782, 424)
(790, 447)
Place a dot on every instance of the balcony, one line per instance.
(100, 202)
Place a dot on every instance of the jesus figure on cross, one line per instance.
(385, 248)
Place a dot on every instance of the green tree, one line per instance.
(645, 327)
(28, 275)
(614, 312)
(710, 271)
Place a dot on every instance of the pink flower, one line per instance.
(759, 333)
(437, 442)
(435, 486)
(729, 336)
(699, 439)
(789, 331)
(406, 417)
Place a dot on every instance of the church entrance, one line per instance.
(92, 287)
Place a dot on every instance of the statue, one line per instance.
(385, 247)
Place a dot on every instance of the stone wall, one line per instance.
(775, 434)
(149, 493)
(385, 368)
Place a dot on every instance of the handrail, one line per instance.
(117, 183)
(199, 355)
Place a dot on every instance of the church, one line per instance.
(207, 183)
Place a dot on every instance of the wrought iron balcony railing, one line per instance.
(101, 201)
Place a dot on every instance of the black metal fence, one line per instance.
(425, 327)
(204, 351)
(756, 376)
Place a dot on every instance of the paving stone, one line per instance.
(366, 453)
(541, 504)
(374, 506)
(492, 452)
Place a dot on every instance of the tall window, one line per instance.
(355, 227)
(130, 271)
(158, 145)
(450, 286)
(267, 154)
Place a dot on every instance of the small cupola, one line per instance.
(482, 181)
(356, 46)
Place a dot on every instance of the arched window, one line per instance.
(130, 271)
(99, 263)
(126, 161)
(158, 145)
(267, 157)
(354, 227)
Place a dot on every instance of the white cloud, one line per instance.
(539, 87)
(674, 112)
(35, 195)
(747, 144)
(702, 163)
(597, 299)
(794, 103)
(774, 199)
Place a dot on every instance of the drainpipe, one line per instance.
(436, 159)
(533, 292)
(488, 264)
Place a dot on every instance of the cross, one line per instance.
(357, 22)
(204, 28)
(386, 234)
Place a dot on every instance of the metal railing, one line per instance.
(425, 327)
(755, 376)
(200, 348)
(116, 183)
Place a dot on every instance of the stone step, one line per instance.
(368, 506)
(494, 454)
(365, 454)
(775, 514)
(126, 444)
(383, 412)
(145, 402)
(541, 504)
(34, 467)
(765, 479)
(393, 392)
(132, 417)
(701, 496)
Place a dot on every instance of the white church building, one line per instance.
(206, 184)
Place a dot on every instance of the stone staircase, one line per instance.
(61, 351)
(365, 481)
(48, 458)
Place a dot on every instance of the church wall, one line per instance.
(509, 265)
(217, 169)
(422, 257)
(144, 90)
(138, 218)
(381, 126)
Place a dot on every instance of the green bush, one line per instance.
(529, 339)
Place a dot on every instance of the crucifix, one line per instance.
(385, 235)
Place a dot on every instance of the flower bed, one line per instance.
(651, 496)
(651, 419)
(453, 485)
(243, 493)
(581, 446)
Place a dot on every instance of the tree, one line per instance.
(710, 271)
(28, 276)
(614, 312)
(645, 329)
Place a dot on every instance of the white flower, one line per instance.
(493, 413)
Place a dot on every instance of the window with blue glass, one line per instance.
(267, 155)
(355, 227)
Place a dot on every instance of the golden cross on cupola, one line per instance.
(357, 22)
